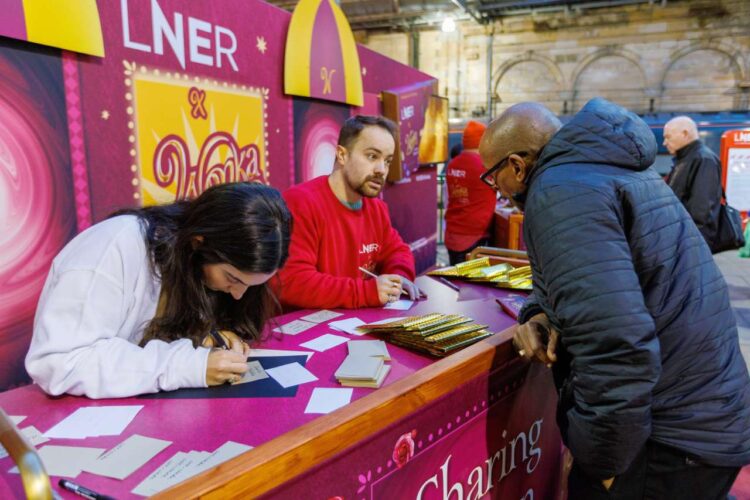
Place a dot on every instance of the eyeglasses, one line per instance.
(489, 176)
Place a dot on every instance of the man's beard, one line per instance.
(366, 190)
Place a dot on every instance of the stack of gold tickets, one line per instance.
(437, 334)
(482, 271)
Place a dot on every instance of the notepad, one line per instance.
(369, 348)
(362, 371)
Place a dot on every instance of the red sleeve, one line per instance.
(396, 257)
(301, 284)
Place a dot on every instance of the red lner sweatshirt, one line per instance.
(330, 242)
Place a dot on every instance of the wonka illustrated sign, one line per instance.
(493, 438)
(407, 106)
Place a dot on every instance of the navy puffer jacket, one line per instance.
(650, 345)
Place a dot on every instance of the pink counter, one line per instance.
(464, 409)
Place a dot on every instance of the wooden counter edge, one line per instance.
(262, 469)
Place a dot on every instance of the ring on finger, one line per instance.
(522, 353)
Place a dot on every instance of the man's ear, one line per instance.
(341, 154)
(196, 241)
(519, 167)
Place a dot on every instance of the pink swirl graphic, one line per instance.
(36, 207)
(317, 133)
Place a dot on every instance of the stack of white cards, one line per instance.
(184, 465)
(365, 365)
(369, 348)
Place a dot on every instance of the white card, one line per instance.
(324, 342)
(399, 305)
(16, 419)
(127, 457)
(228, 450)
(254, 372)
(158, 480)
(294, 327)
(66, 461)
(348, 325)
(325, 400)
(291, 375)
(94, 421)
(32, 434)
(275, 353)
(321, 316)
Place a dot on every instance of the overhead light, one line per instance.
(449, 25)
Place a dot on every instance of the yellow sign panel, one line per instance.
(190, 135)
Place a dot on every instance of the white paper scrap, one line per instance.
(348, 325)
(32, 434)
(321, 316)
(275, 353)
(399, 305)
(94, 421)
(291, 375)
(16, 419)
(324, 342)
(325, 400)
(127, 457)
(66, 461)
(254, 372)
(294, 327)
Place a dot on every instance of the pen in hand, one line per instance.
(82, 491)
(369, 273)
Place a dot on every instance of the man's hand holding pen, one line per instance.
(392, 286)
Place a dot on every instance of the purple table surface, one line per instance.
(206, 424)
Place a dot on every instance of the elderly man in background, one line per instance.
(695, 177)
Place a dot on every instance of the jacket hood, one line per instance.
(601, 133)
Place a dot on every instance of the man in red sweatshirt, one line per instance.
(471, 202)
(340, 225)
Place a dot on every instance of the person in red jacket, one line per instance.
(341, 226)
(471, 202)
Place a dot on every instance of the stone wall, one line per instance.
(688, 55)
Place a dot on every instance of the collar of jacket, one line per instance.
(687, 150)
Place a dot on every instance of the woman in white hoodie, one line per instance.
(134, 304)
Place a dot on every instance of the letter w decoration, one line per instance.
(321, 57)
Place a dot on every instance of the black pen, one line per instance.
(218, 339)
(449, 284)
(81, 491)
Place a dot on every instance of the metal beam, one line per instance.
(462, 5)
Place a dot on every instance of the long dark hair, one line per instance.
(246, 225)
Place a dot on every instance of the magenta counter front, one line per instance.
(479, 422)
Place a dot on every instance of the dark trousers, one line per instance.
(657, 473)
(458, 257)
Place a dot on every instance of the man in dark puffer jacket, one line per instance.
(654, 393)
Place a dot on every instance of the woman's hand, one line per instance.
(225, 366)
(231, 340)
(229, 363)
